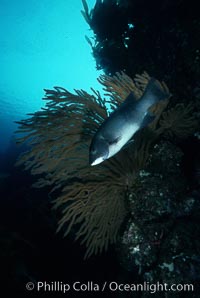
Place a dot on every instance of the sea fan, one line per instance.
(92, 199)
(179, 121)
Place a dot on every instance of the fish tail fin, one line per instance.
(156, 90)
(154, 93)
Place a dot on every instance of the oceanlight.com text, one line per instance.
(111, 286)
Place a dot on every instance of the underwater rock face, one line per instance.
(129, 34)
(158, 185)
(161, 238)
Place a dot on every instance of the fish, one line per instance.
(119, 128)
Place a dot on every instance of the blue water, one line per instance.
(42, 45)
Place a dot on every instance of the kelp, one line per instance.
(92, 199)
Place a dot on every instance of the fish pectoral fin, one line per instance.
(130, 142)
(149, 117)
(115, 141)
(153, 109)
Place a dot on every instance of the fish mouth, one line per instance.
(97, 161)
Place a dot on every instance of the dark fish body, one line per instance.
(124, 122)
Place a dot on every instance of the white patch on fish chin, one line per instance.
(97, 161)
(126, 136)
